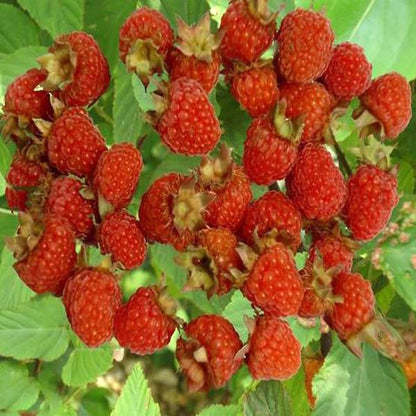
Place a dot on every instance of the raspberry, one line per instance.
(304, 46)
(145, 324)
(316, 185)
(248, 30)
(349, 73)
(74, 144)
(313, 305)
(77, 67)
(65, 199)
(372, 195)
(91, 298)
(313, 104)
(208, 355)
(274, 284)
(273, 351)
(311, 367)
(268, 156)
(119, 234)
(274, 217)
(189, 126)
(117, 174)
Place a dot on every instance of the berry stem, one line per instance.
(342, 158)
(103, 114)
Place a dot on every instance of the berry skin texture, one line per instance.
(274, 352)
(119, 234)
(91, 298)
(274, 284)
(256, 90)
(207, 356)
(311, 102)
(389, 100)
(66, 201)
(357, 308)
(304, 46)
(117, 174)
(349, 73)
(74, 144)
(267, 156)
(189, 126)
(316, 185)
(372, 195)
(273, 216)
(141, 325)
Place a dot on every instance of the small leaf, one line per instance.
(218, 410)
(9, 222)
(303, 334)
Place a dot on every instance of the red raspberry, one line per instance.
(349, 73)
(389, 100)
(273, 216)
(208, 355)
(313, 304)
(304, 46)
(74, 143)
(249, 29)
(274, 284)
(311, 102)
(274, 353)
(65, 200)
(117, 174)
(316, 185)
(268, 156)
(119, 235)
(189, 126)
(77, 67)
(372, 195)
(145, 323)
(357, 307)
(91, 299)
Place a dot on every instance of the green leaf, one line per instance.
(303, 334)
(37, 329)
(9, 222)
(84, 365)
(95, 403)
(190, 11)
(136, 399)
(5, 161)
(18, 390)
(56, 17)
(62, 410)
(218, 410)
(295, 387)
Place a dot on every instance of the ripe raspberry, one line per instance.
(77, 67)
(349, 73)
(145, 323)
(65, 200)
(274, 284)
(304, 46)
(208, 355)
(91, 299)
(74, 143)
(249, 29)
(313, 304)
(311, 102)
(117, 174)
(357, 307)
(268, 156)
(274, 352)
(372, 195)
(273, 217)
(389, 100)
(119, 234)
(145, 39)
(316, 185)
(311, 367)
(256, 89)
(189, 126)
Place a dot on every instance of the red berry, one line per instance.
(349, 73)
(74, 144)
(142, 325)
(316, 185)
(117, 174)
(91, 299)
(304, 46)
(208, 355)
(119, 234)
(372, 195)
(313, 305)
(274, 352)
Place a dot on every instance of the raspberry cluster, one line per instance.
(72, 191)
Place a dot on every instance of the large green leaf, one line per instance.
(218, 410)
(295, 388)
(190, 11)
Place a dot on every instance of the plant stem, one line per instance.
(342, 158)
(103, 114)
